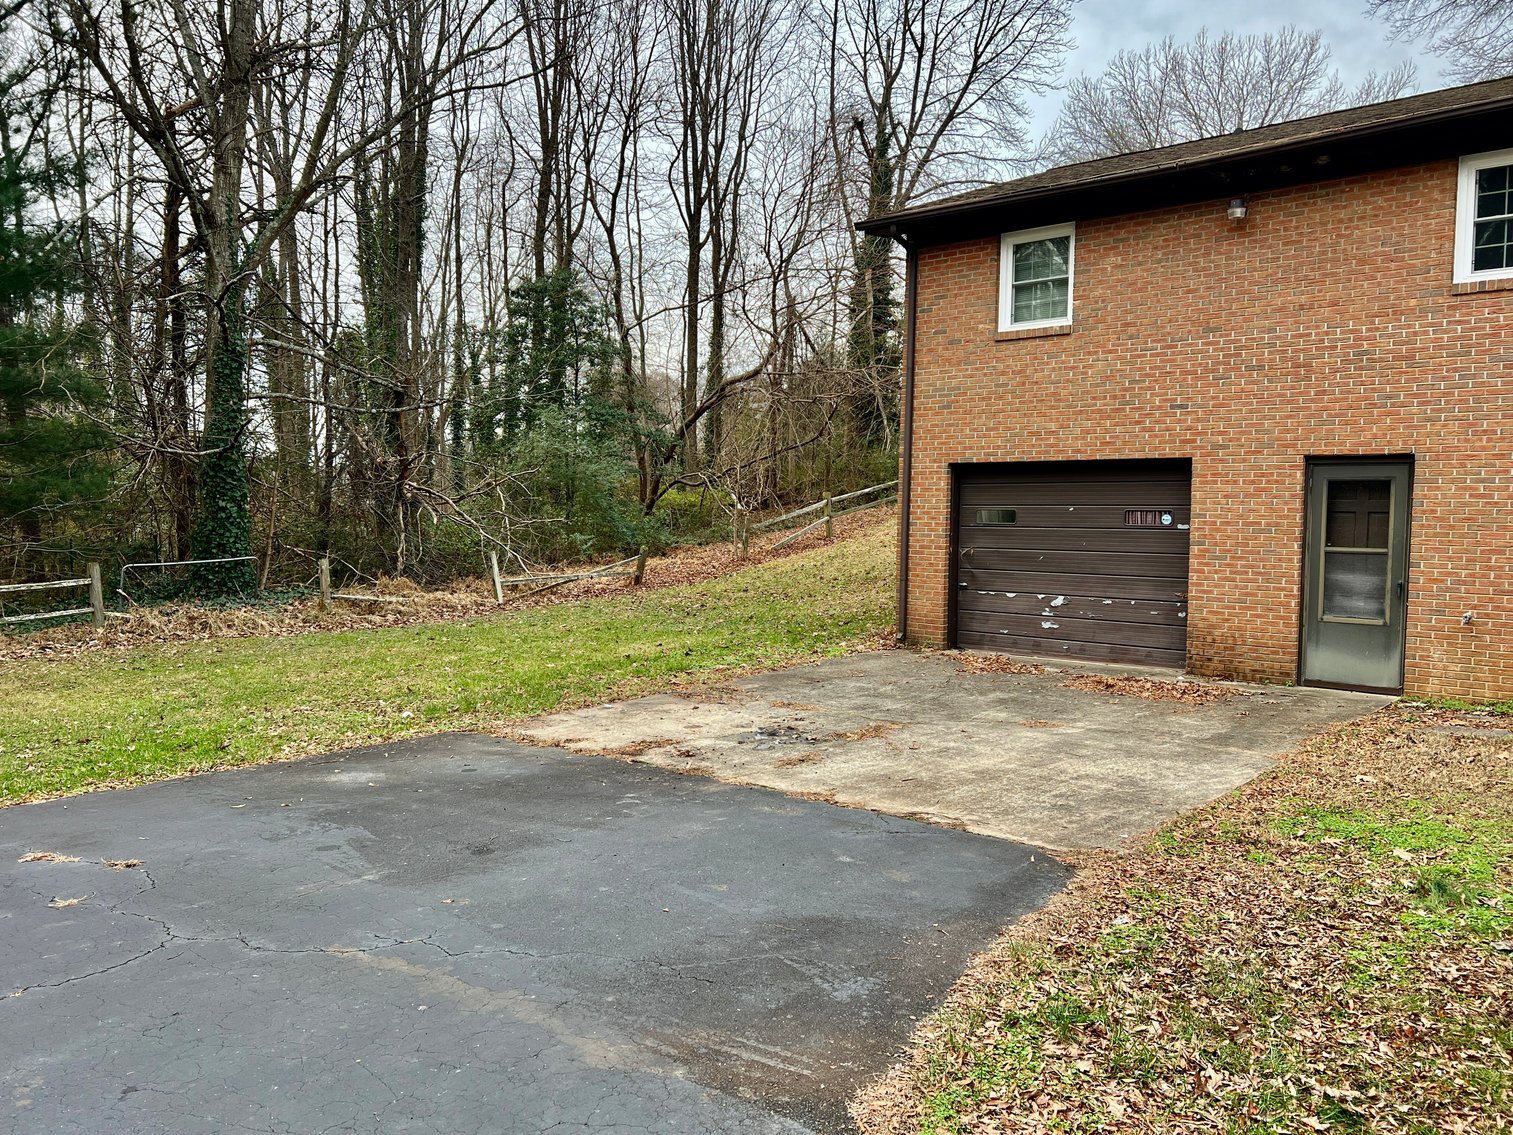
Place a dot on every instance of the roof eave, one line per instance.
(909, 222)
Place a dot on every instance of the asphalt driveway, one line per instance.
(464, 934)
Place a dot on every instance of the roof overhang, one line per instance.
(1330, 155)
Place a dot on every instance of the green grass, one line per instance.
(1503, 708)
(1454, 861)
(115, 718)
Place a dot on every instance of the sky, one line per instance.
(1360, 44)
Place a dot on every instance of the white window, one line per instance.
(1035, 278)
(1484, 218)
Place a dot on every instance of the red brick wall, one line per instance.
(1325, 324)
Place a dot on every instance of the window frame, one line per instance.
(1006, 276)
(1465, 217)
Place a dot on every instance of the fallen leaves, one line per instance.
(55, 857)
(1259, 965)
(59, 904)
(970, 663)
(1152, 689)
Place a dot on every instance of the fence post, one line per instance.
(745, 535)
(494, 573)
(325, 583)
(96, 596)
(635, 580)
(829, 518)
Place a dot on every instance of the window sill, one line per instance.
(1476, 287)
(1037, 332)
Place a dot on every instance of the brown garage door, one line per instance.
(1085, 559)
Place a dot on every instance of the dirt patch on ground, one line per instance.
(1327, 949)
(1152, 689)
(465, 599)
(1036, 723)
(866, 732)
(798, 760)
(635, 748)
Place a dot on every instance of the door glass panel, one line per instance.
(1355, 586)
(1358, 514)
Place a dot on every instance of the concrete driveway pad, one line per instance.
(463, 934)
(1019, 756)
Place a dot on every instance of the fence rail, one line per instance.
(633, 567)
(96, 608)
(744, 528)
(832, 501)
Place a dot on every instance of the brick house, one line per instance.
(1243, 405)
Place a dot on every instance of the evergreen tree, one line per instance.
(559, 354)
(50, 445)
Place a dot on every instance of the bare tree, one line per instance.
(939, 86)
(1475, 37)
(1172, 92)
(185, 79)
(317, 234)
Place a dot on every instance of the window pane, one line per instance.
(1355, 585)
(1045, 299)
(1042, 259)
(1492, 204)
(1494, 245)
(1492, 191)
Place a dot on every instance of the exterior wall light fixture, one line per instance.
(1237, 209)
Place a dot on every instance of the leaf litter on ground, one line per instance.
(1321, 950)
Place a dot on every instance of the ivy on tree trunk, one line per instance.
(223, 528)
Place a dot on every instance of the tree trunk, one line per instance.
(223, 527)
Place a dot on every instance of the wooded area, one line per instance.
(403, 282)
(407, 280)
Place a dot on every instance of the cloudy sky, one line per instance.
(1360, 44)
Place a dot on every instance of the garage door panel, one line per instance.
(1020, 538)
(1123, 494)
(1172, 613)
(1051, 562)
(1130, 587)
(1164, 637)
(1071, 516)
(1053, 648)
(1070, 573)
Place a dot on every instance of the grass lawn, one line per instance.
(1329, 948)
(117, 717)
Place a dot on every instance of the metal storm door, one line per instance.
(1355, 593)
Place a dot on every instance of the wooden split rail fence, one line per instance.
(828, 514)
(96, 608)
(633, 567)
